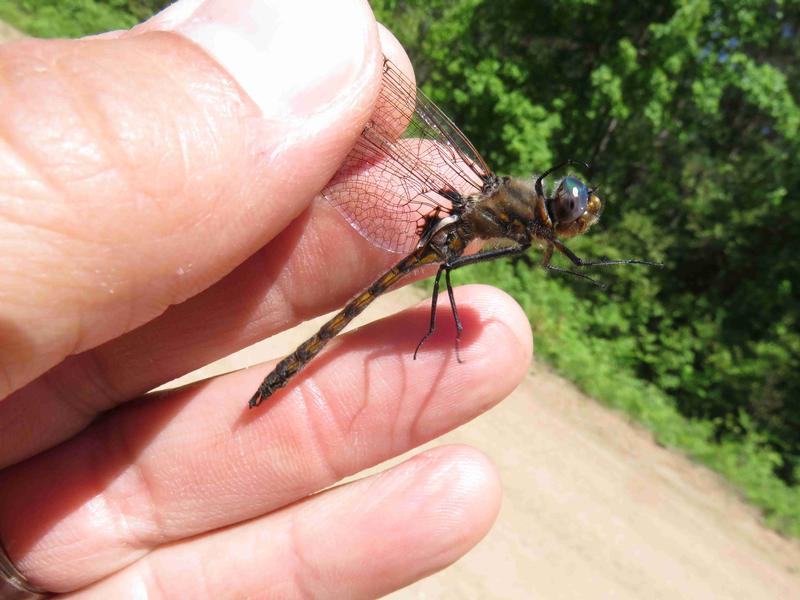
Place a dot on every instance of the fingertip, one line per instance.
(431, 509)
(465, 494)
(497, 343)
(436, 506)
(394, 51)
(293, 59)
(500, 308)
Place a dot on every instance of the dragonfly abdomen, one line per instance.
(291, 365)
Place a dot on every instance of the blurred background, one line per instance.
(688, 113)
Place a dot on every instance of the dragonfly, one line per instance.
(414, 184)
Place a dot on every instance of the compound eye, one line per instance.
(571, 200)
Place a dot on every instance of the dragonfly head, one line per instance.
(574, 207)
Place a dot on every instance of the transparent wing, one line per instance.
(409, 163)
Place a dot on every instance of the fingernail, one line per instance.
(292, 57)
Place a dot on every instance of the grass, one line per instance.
(65, 18)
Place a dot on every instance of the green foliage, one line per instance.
(688, 112)
(75, 18)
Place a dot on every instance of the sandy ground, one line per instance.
(8, 33)
(593, 507)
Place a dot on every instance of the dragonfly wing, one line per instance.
(411, 163)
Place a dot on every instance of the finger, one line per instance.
(181, 464)
(246, 306)
(362, 540)
(213, 324)
(140, 170)
(292, 277)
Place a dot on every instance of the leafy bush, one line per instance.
(75, 18)
(688, 113)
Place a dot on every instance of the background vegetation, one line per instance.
(688, 112)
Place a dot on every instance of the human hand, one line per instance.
(139, 172)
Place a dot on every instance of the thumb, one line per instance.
(137, 168)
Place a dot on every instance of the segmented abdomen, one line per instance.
(306, 351)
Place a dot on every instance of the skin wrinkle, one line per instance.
(94, 120)
(301, 569)
(6, 380)
(291, 316)
(78, 327)
(346, 428)
(394, 421)
(16, 220)
(202, 576)
(100, 385)
(354, 418)
(209, 141)
(28, 159)
(153, 583)
(307, 253)
(138, 538)
(318, 433)
(84, 412)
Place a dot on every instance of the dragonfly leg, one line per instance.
(455, 263)
(548, 255)
(577, 261)
(591, 280)
(463, 261)
(434, 299)
(459, 327)
(451, 296)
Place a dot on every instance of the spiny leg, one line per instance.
(591, 280)
(451, 295)
(434, 299)
(462, 261)
(548, 255)
(576, 260)
(453, 308)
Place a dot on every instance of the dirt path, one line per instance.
(8, 33)
(593, 508)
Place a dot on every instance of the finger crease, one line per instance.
(96, 122)
(302, 570)
(311, 396)
(153, 532)
(27, 159)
